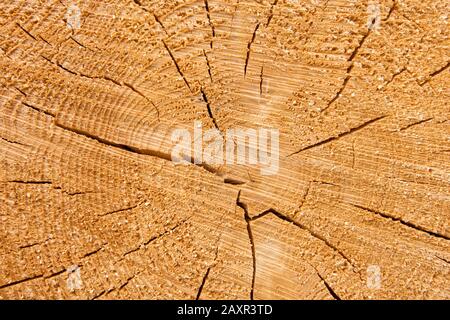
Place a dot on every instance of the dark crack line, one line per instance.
(391, 10)
(327, 285)
(34, 244)
(261, 81)
(395, 75)
(443, 259)
(80, 44)
(160, 23)
(217, 245)
(271, 12)
(213, 30)
(329, 288)
(405, 223)
(29, 182)
(43, 39)
(435, 73)
(128, 281)
(105, 78)
(234, 182)
(93, 252)
(79, 193)
(305, 197)
(115, 145)
(415, 124)
(176, 65)
(247, 218)
(303, 227)
(102, 293)
(249, 48)
(134, 150)
(26, 31)
(55, 274)
(209, 66)
(15, 142)
(139, 3)
(205, 277)
(21, 91)
(210, 113)
(334, 138)
(20, 281)
(350, 68)
(120, 210)
(38, 109)
(152, 239)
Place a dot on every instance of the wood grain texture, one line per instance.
(87, 108)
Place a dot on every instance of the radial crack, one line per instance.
(261, 81)
(395, 75)
(405, 223)
(131, 149)
(208, 107)
(350, 68)
(120, 210)
(415, 124)
(38, 109)
(251, 239)
(249, 46)
(105, 78)
(271, 12)
(160, 23)
(334, 138)
(435, 73)
(205, 277)
(26, 31)
(329, 288)
(92, 252)
(176, 65)
(303, 227)
(209, 66)
(20, 281)
(391, 9)
(29, 182)
(208, 14)
(152, 239)
(15, 142)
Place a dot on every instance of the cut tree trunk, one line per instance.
(91, 205)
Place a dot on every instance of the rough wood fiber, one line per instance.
(92, 207)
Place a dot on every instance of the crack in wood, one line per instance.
(247, 218)
(415, 124)
(303, 227)
(154, 238)
(435, 73)
(21, 281)
(105, 78)
(350, 67)
(334, 138)
(210, 113)
(271, 12)
(403, 222)
(213, 30)
(249, 47)
(26, 31)
(209, 66)
(176, 65)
